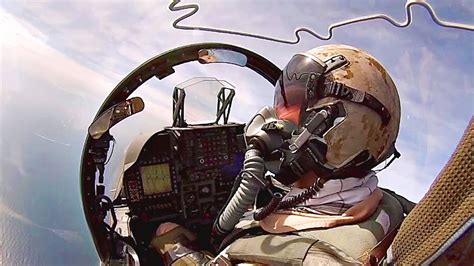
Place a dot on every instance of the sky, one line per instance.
(60, 59)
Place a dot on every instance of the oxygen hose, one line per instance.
(261, 213)
(244, 196)
(251, 176)
(277, 202)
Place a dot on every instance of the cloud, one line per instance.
(120, 48)
(25, 50)
(437, 103)
(59, 75)
(68, 235)
(95, 44)
(435, 109)
(406, 176)
(15, 157)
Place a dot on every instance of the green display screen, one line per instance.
(156, 179)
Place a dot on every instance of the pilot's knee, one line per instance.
(169, 234)
(165, 227)
(322, 253)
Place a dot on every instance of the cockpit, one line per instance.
(183, 173)
(195, 171)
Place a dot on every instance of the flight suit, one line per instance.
(364, 242)
(346, 244)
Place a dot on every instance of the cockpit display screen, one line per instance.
(156, 179)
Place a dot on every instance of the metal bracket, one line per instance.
(178, 107)
(224, 103)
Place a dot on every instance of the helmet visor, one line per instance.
(301, 73)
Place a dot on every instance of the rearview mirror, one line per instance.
(115, 114)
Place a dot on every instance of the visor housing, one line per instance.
(291, 88)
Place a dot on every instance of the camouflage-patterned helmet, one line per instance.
(343, 74)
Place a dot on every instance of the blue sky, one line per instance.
(60, 59)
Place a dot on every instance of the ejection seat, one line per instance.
(438, 231)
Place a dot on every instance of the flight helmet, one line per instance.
(364, 130)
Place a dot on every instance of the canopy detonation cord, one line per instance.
(194, 8)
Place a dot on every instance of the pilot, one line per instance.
(343, 110)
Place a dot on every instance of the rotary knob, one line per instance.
(190, 198)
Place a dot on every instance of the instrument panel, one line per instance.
(185, 174)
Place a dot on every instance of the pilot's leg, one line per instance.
(369, 238)
(177, 246)
(285, 250)
(346, 244)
